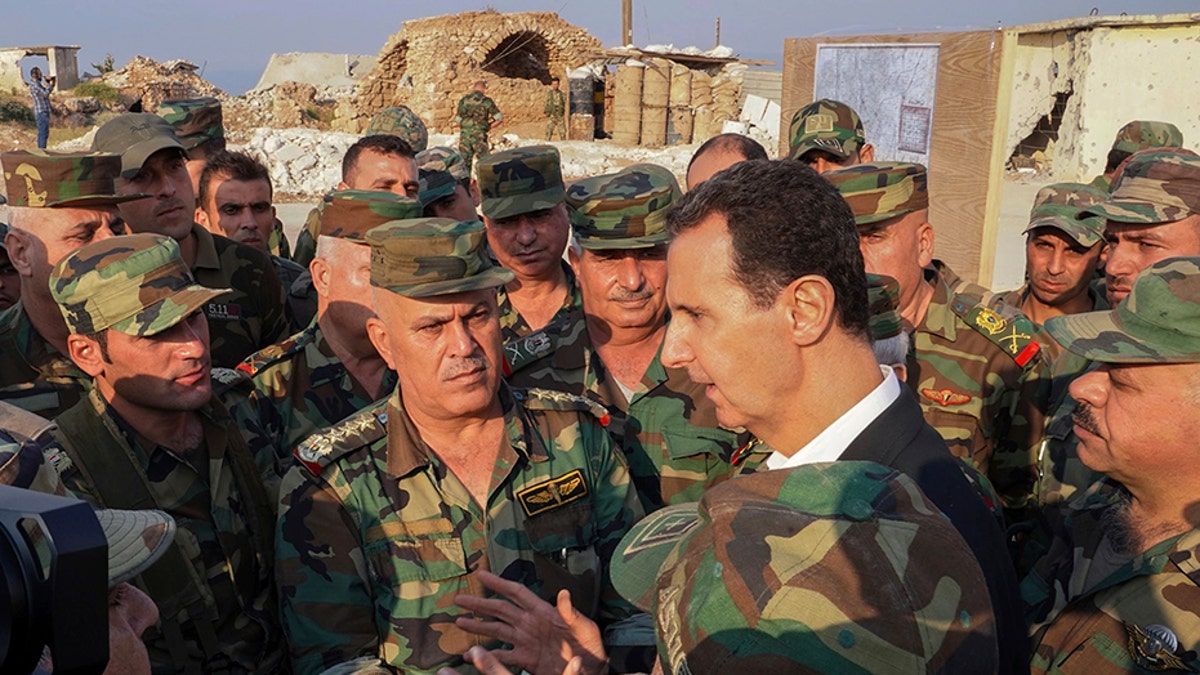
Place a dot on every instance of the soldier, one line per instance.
(555, 109)
(234, 201)
(476, 115)
(447, 190)
(401, 122)
(609, 352)
(1135, 136)
(379, 162)
(1117, 588)
(1152, 214)
(155, 432)
(719, 153)
(10, 280)
(828, 135)
(977, 373)
(57, 204)
(251, 314)
(769, 309)
(527, 229)
(330, 370)
(389, 513)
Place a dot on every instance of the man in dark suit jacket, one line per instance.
(769, 308)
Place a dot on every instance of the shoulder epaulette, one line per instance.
(225, 380)
(325, 447)
(525, 350)
(1014, 335)
(549, 399)
(269, 355)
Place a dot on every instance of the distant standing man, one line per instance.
(40, 89)
(476, 115)
(556, 107)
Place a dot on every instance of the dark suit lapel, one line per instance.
(886, 436)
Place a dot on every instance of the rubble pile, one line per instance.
(150, 82)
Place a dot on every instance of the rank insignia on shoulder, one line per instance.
(228, 376)
(1155, 648)
(549, 399)
(318, 450)
(986, 319)
(522, 351)
(1015, 336)
(945, 397)
(554, 493)
(745, 451)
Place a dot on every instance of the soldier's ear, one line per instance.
(377, 331)
(320, 270)
(201, 219)
(86, 353)
(21, 251)
(866, 153)
(925, 242)
(809, 302)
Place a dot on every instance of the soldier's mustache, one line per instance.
(463, 366)
(626, 295)
(1084, 417)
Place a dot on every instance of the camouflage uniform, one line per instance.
(197, 122)
(519, 181)
(401, 122)
(306, 239)
(826, 125)
(376, 535)
(33, 374)
(301, 385)
(555, 109)
(796, 570)
(978, 374)
(668, 429)
(216, 596)
(1094, 608)
(476, 115)
(1141, 135)
(441, 170)
(300, 306)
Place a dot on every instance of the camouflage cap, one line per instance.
(196, 120)
(135, 284)
(349, 214)
(826, 125)
(1142, 134)
(834, 567)
(40, 179)
(521, 180)
(135, 540)
(883, 301)
(880, 190)
(424, 257)
(1158, 322)
(1061, 206)
(135, 136)
(441, 158)
(1155, 187)
(434, 185)
(402, 123)
(626, 209)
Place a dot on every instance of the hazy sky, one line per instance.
(233, 39)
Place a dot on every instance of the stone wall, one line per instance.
(431, 63)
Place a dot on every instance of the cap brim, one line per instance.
(643, 550)
(494, 277)
(598, 244)
(1127, 211)
(136, 155)
(98, 200)
(1075, 230)
(1117, 336)
(879, 217)
(183, 304)
(840, 149)
(514, 205)
(135, 540)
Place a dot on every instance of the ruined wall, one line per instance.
(431, 63)
(12, 80)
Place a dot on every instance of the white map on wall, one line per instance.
(891, 87)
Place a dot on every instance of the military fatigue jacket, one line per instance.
(306, 240)
(555, 104)
(668, 430)
(376, 535)
(252, 316)
(219, 530)
(1095, 610)
(33, 374)
(978, 377)
(513, 325)
(301, 297)
(476, 113)
(302, 387)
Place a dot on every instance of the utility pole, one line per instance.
(718, 32)
(626, 22)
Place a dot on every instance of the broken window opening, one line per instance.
(1036, 151)
(524, 55)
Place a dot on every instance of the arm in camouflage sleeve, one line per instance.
(306, 241)
(325, 600)
(1015, 464)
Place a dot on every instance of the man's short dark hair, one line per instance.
(383, 144)
(785, 222)
(735, 143)
(231, 166)
(1115, 157)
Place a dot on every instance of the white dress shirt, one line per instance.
(835, 438)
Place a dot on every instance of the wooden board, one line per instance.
(965, 169)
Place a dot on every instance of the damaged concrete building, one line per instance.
(61, 59)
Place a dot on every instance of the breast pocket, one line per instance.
(694, 459)
(415, 566)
